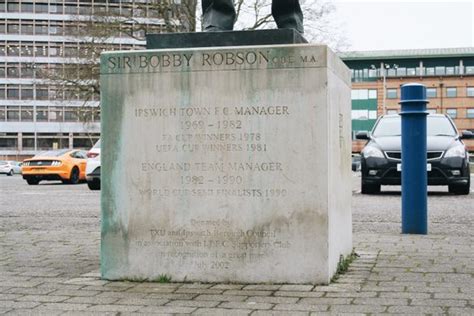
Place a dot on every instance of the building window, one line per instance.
(440, 70)
(52, 140)
(13, 49)
(392, 72)
(13, 92)
(27, 93)
(13, 113)
(26, 7)
(26, 50)
(41, 114)
(450, 71)
(453, 113)
(430, 71)
(411, 72)
(13, 7)
(41, 8)
(392, 111)
(9, 140)
(360, 114)
(2, 114)
(28, 140)
(13, 71)
(56, 114)
(470, 91)
(431, 92)
(71, 114)
(41, 93)
(26, 71)
(55, 8)
(451, 92)
(392, 94)
(26, 114)
(13, 28)
(372, 94)
(360, 94)
(470, 113)
(402, 72)
(84, 141)
(431, 111)
(27, 29)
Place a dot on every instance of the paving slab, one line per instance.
(49, 264)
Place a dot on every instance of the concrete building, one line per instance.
(40, 37)
(377, 76)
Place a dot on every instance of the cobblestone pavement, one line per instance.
(49, 258)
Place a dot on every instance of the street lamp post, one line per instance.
(383, 69)
(384, 84)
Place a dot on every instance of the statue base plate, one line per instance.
(226, 38)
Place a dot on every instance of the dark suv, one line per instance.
(448, 159)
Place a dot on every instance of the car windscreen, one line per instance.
(53, 153)
(3, 162)
(97, 145)
(436, 126)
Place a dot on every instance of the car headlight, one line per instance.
(372, 152)
(456, 151)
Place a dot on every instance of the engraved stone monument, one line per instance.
(225, 164)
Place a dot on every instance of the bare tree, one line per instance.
(78, 78)
(321, 25)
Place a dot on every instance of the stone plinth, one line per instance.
(225, 164)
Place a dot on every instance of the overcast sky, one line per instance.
(404, 24)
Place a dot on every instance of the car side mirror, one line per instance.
(466, 135)
(363, 135)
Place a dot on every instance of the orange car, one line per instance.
(66, 165)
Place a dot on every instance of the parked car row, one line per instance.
(65, 165)
(10, 167)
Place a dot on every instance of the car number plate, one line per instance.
(399, 167)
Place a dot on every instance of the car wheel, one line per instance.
(370, 188)
(10, 173)
(74, 177)
(32, 181)
(94, 185)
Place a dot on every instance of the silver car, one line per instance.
(93, 167)
(10, 167)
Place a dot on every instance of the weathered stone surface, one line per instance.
(228, 164)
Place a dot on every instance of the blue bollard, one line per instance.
(414, 165)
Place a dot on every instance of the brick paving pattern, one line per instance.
(49, 259)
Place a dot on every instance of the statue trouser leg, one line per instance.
(288, 14)
(218, 15)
